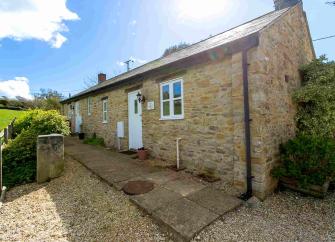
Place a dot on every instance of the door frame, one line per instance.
(77, 117)
(141, 123)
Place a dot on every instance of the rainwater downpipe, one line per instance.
(248, 193)
(177, 150)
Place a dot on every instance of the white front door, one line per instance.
(134, 121)
(78, 119)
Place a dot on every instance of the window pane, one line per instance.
(136, 106)
(105, 106)
(105, 116)
(166, 108)
(166, 92)
(177, 107)
(177, 89)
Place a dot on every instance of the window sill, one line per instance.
(104, 122)
(171, 118)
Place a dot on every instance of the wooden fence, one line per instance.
(5, 135)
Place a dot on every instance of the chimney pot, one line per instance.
(281, 4)
(101, 77)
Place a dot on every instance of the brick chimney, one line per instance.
(281, 4)
(101, 77)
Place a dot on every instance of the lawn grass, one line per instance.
(6, 116)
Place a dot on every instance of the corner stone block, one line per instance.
(50, 157)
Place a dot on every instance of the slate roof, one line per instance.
(226, 37)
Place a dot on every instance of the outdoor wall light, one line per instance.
(140, 97)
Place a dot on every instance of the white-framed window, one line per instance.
(172, 100)
(89, 105)
(105, 110)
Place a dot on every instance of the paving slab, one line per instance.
(215, 200)
(114, 177)
(162, 177)
(184, 218)
(184, 186)
(178, 201)
(157, 198)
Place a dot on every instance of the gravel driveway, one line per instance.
(80, 207)
(75, 207)
(285, 216)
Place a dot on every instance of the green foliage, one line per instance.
(308, 159)
(19, 156)
(94, 140)
(316, 99)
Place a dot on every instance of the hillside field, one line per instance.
(6, 116)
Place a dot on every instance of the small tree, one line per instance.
(175, 48)
(316, 99)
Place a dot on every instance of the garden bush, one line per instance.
(308, 159)
(316, 99)
(19, 156)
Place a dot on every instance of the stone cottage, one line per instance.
(227, 98)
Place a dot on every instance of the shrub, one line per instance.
(308, 159)
(94, 140)
(316, 99)
(19, 156)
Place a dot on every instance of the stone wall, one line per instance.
(273, 77)
(206, 130)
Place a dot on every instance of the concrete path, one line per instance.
(179, 202)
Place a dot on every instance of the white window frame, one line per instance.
(89, 106)
(171, 99)
(105, 101)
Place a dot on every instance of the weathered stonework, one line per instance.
(273, 76)
(50, 157)
(212, 129)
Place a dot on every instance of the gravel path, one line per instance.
(75, 207)
(285, 216)
(80, 207)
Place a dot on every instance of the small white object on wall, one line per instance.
(151, 105)
(120, 129)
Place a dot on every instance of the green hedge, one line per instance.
(308, 159)
(19, 156)
(316, 99)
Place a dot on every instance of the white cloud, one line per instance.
(35, 19)
(17, 87)
(120, 63)
(133, 22)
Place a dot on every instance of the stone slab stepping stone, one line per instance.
(184, 186)
(137, 187)
(184, 218)
(215, 200)
(155, 199)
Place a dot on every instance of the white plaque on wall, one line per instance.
(151, 105)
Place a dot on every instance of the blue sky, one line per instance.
(65, 43)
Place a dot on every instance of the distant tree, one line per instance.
(47, 99)
(91, 81)
(331, 3)
(3, 102)
(175, 48)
